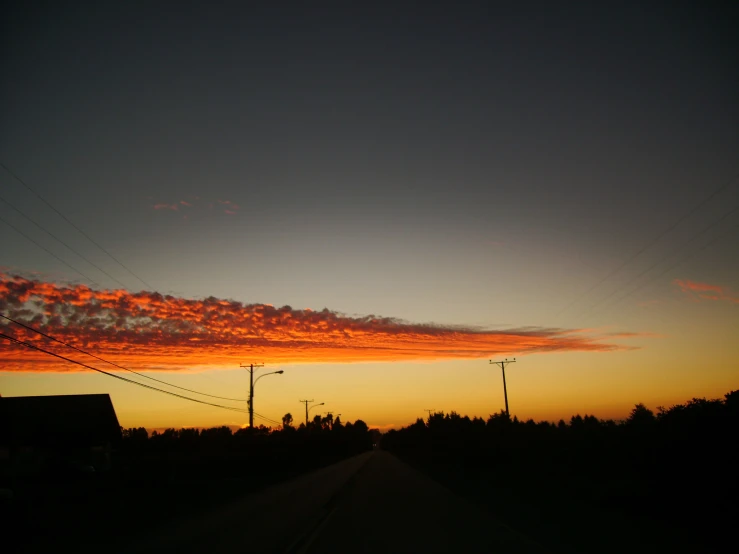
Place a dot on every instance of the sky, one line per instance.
(376, 200)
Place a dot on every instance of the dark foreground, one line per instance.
(652, 483)
(370, 503)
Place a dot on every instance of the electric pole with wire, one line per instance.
(306, 402)
(307, 409)
(432, 411)
(251, 368)
(502, 365)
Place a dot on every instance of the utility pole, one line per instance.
(307, 409)
(251, 368)
(430, 412)
(306, 402)
(502, 365)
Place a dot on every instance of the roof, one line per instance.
(69, 420)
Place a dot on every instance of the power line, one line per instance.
(652, 243)
(62, 242)
(60, 214)
(268, 419)
(679, 261)
(675, 251)
(34, 347)
(49, 337)
(70, 266)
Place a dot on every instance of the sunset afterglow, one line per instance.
(378, 206)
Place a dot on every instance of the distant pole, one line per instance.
(251, 367)
(430, 412)
(306, 402)
(502, 365)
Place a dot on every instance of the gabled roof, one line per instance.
(69, 420)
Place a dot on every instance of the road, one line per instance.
(372, 503)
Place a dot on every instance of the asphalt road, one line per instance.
(372, 503)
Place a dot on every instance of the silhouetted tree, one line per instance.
(640, 416)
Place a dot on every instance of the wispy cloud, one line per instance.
(195, 204)
(149, 331)
(704, 291)
(230, 204)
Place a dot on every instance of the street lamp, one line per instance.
(307, 411)
(252, 382)
(280, 372)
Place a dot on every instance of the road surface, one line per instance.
(372, 503)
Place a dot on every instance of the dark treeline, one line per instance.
(653, 481)
(205, 454)
(160, 477)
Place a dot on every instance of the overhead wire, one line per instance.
(65, 218)
(49, 337)
(654, 241)
(675, 251)
(61, 241)
(70, 266)
(679, 260)
(80, 350)
(34, 347)
(267, 419)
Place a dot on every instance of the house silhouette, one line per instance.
(76, 432)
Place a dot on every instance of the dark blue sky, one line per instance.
(495, 164)
(355, 138)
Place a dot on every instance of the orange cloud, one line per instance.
(146, 330)
(163, 206)
(704, 291)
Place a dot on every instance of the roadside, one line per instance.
(81, 512)
(574, 514)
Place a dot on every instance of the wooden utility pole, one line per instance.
(306, 402)
(251, 368)
(502, 365)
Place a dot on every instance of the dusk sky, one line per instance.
(450, 182)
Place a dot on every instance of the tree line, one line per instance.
(673, 469)
(264, 452)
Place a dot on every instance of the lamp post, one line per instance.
(252, 382)
(307, 411)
